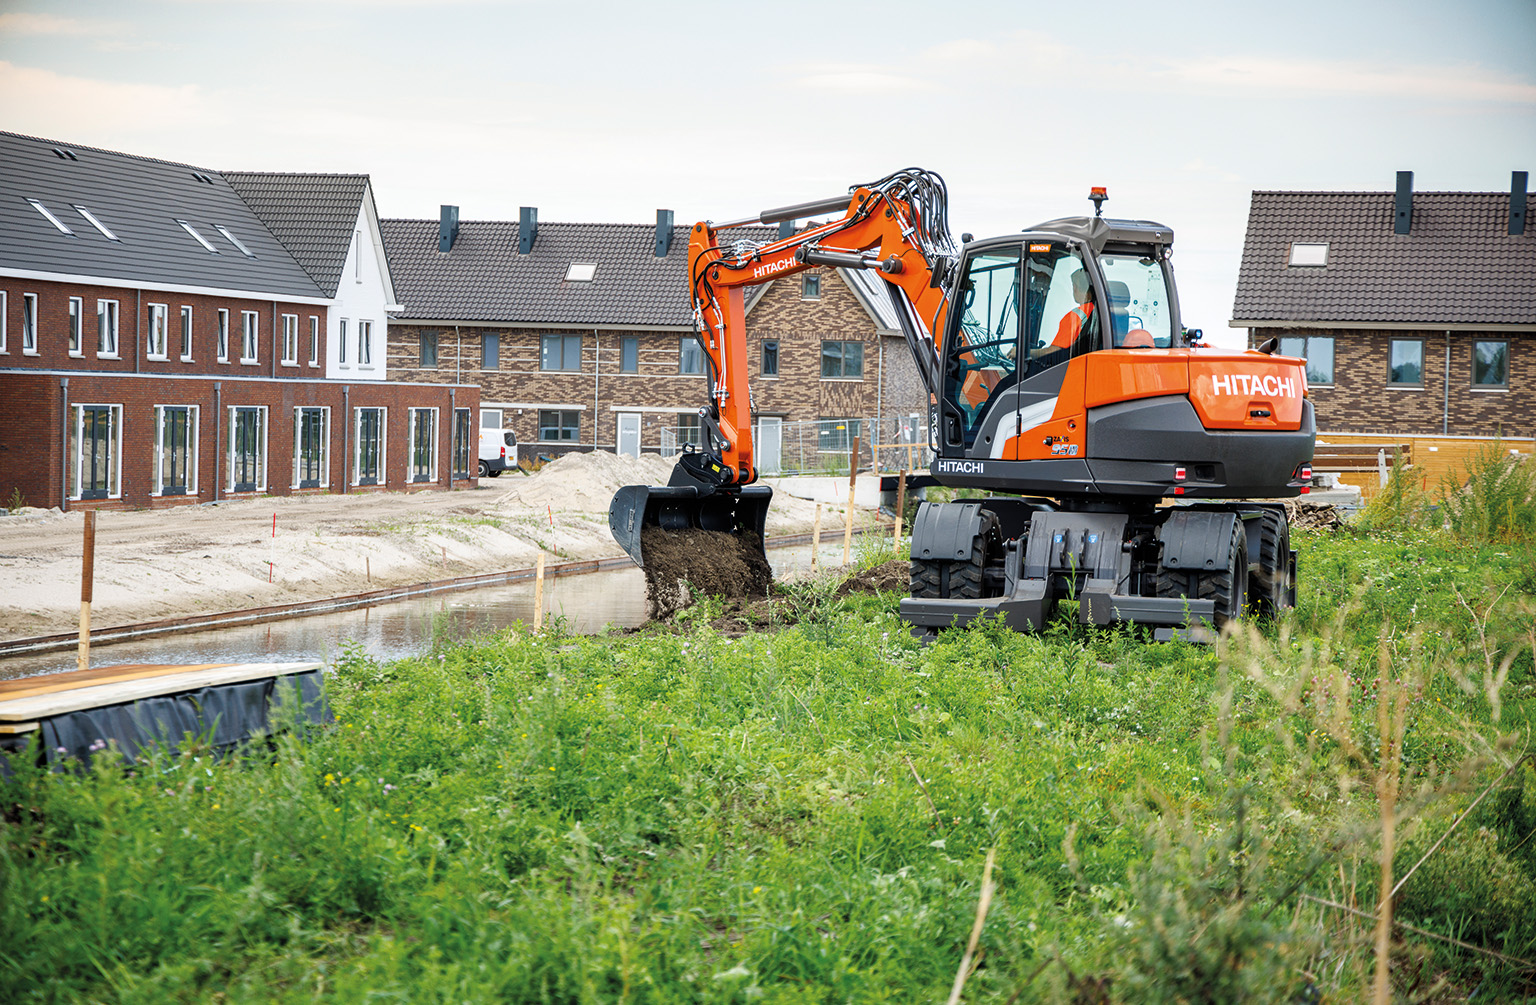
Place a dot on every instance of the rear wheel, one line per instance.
(1226, 587)
(936, 580)
(1272, 582)
(485, 470)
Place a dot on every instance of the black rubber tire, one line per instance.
(1271, 587)
(496, 474)
(1218, 586)
(485, 470)
(932, 580)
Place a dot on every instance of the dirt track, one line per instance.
(172, 562)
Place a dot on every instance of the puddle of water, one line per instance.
(404, 627)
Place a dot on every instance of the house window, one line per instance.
(341, 342)
(48, 215)
(1490, 364)
(365, 343)
(232, 239)
(106, 328)
(836, 435)
(250, 328)
(690, 431)
(198, 237)
(581, 272)
(290, 340)
(368, 463)
(559, 425)
(770, 357)
(423, 444)
(1407, 363)
(844, 360)
(1316, 350)
(76, 326)
(810, 286)
(95, 444)
(1308, 255)
(223, 335)
(175, 450)
(314, 340)
(428, 341)
(2, 320)
(629, 354)
(490, 351)
(690, 355)
(560, 352)
(154, 347)
(91, 219)
(311, 440)
(29, 323)
(186, 334)
(357, 258)
(462, 439)
(247, 449)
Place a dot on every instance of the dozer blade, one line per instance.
(635, 508)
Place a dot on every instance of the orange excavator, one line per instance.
(1060, 379)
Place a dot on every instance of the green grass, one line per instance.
(802, 815)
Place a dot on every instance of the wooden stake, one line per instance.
(853, 473)
(815, 537)
(87, 575)
(368, 566)
(538, 594)
(901, 507)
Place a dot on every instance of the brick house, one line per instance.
(160, 345)
(1416, 312)
(580, 335)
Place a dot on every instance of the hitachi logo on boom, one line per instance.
(1247, 384)
(769, 268)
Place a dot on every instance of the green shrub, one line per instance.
(1402, 502)
(1495, 500)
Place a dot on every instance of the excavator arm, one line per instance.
(897, 226)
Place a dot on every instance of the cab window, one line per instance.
(1061, 318)
(986, 341)
(1139, 314)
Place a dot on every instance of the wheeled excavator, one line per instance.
(1121, 454)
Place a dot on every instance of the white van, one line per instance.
(498, 447)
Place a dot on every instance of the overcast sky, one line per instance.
(607, 111)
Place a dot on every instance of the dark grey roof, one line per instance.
(1458, 265)
(313, 215)
(139, 199)
(483, 278)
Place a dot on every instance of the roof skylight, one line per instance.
(48, 215)
(91, 219)
(580, 272)
(1309, 254)
(200, 238)
(247, 252)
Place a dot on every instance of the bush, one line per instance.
(1495, 501)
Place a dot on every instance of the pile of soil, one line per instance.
(894, 576)
(706, 562)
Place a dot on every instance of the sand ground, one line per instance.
(152, 564)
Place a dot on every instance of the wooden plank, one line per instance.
(99, 695)
(26, 687)
(14, 728)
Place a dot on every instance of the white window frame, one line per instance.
(223, 346)
(415, 415)
(3, 314)
(314, 340)
(192, 419)
(250, 337)
(229, 449)
(155, 338)
(290, 340)
(76, 337)
(108, 319)
(29, 324)
(357, 443)
(365, 345)
(93, 221)
(1308, 255)
(341, 343)
(810, 286)
(48, 215)
(207, 246)
(325, 444)
(186, 333)
(77, 456)
(239, 245)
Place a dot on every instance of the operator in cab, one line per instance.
(1072, 322)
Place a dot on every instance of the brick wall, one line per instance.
(33, 454)
(133, 332)
(1361, 399)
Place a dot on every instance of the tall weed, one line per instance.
(1495, 500)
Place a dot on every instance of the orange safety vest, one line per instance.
(1071, 324)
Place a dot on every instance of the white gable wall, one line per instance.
(362, 296)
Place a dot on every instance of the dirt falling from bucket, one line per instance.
(710, 562)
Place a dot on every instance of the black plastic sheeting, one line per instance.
(223, 717)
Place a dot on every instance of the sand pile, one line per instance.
(585, 481)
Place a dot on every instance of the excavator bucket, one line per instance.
(636, 508)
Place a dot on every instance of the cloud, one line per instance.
(1293, 77)
(46, 103)
(23, 23)
(856, 78)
